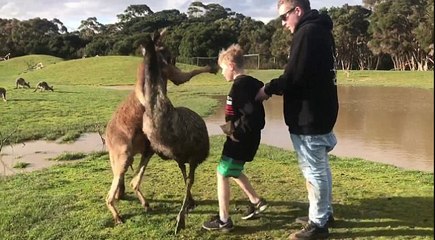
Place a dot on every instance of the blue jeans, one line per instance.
(312, 152)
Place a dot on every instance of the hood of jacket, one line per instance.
(313, 16)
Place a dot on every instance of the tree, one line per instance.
(198, 11)
(393, 27)
(205, 40)
(280, 43)
(90, 27)
(351, 37)
(134, 11)
(424, 34)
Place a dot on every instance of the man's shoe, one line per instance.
(255, 209)
(216, 224)
(310, 232)
(304, 220)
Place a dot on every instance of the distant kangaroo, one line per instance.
(3, 93)
(43, 86)
(21, 83)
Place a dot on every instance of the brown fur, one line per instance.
(43, 86)
(125, 138)
(3, 94)
(21, 83)
(175, 132)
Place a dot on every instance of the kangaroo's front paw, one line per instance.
(214, 68)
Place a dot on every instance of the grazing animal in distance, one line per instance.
(3, 94)
(124, 135)
(43, 86)
(21, 83)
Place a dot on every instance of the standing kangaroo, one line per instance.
(3, 94)
(176, 133)
(21, 83)
(43, 86)
(124, 135)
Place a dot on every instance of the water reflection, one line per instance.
(382, 124)
(38, 153)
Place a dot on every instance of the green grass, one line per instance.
(17, 67)
(371, 201)
(69, 156)
(413, 79)
(21, 165)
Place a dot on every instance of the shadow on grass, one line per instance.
(27, 100)
(385, 217)
(60, 91)
(369, 218)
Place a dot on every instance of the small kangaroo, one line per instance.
(43, 86)
(3, 94)
(21, 83)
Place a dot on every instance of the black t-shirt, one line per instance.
(247, 115)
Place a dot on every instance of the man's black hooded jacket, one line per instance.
(309, 82)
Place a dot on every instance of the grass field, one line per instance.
(372, 201)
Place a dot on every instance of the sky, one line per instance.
(71, 12)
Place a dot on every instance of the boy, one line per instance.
(245, 119)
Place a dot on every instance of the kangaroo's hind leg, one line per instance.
(137, 180)
(119, 163)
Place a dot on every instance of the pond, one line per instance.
(382, 124)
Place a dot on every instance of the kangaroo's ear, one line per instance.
(156, 37)
(163, 33)
(142, 49)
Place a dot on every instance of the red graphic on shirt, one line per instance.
(229, 110)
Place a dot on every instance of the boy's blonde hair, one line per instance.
(233, 54)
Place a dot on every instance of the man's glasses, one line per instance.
(286, 14)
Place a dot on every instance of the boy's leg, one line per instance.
(247, 188)
(227, 167)
(257, 204)
(223, 190)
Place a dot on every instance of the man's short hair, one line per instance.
(304, 4)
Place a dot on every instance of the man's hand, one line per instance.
(261, 95)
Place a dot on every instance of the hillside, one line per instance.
(15, 67)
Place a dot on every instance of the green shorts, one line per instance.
(229, 167)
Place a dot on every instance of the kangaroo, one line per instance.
(3, 94)
(43, 86)
(124, 135)
(21, 83)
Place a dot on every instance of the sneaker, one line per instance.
(255, 209)
(216, 224)
(304, 220)
(310, 232)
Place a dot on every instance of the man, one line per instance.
(310, 106)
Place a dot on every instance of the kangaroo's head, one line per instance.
(153, 60)
(165, 57)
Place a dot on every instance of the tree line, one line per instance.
(381, 35)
